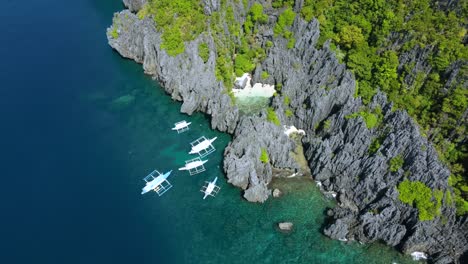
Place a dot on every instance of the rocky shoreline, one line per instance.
(320, 90)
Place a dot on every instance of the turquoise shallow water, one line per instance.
(82, 126)
(225, 229)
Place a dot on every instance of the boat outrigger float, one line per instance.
(210, 189)
(159, 184)
(202, 146)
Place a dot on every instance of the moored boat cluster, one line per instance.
(156, 181)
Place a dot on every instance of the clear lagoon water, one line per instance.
(82, 126)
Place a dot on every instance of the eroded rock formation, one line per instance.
(320, 92)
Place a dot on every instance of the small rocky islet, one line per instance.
(362, 166)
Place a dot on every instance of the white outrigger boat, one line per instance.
(181, 126)
(159, 184)
(202, 146)
(194, 166)
(210, 189)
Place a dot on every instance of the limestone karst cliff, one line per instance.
(339, 145)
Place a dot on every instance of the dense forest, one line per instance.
(376, 39)
(371, 35)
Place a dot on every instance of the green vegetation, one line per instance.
(282, 3)
(448, 197)
(265, 75)
(460, 188)
(254, 15)
(371, 118)
(286, 101)
(114, 33)
(360, 34)
(115, 24)
(144, 12)
(362, 30)
(179, 21)
(285, 21)
(243, 64)
(249, 50)
(418, 195)
(272, 117)
(264, 156)
(204, 51)
(278, 87)
(326, 124)
(438, 195)
(461, 204)
(396, 163)
(291, 43)
(225, 45)
(172, 41)
(237, 48)
(375, 145)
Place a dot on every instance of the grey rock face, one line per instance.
(134, 5)
(277, 193)
(369, 209)
(320, 90)
(242, 156)
(304, 72)
(185, 77)
(417, 60)
(211, 6)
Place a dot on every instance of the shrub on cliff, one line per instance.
(272, 117)
(243, 64)
(285, 21)
(264, 156)
(417, 194)
(172, 41)
(114, 33)
(204, 51)
(184, 18)
(371, 118)
(375, 145)
(396, 163)
(375, 34)
(282, 3)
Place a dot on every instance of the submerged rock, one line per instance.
(285, 226)
(277, 193)
(122, 102)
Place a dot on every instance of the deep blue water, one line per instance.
(72, 160)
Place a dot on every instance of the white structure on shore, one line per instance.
(292, 129)
(257, 90)
(417, 255)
